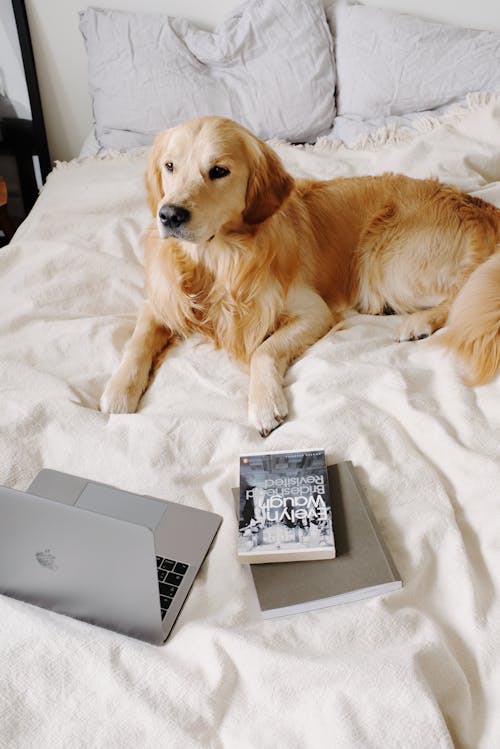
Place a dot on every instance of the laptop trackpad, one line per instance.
(122, 505)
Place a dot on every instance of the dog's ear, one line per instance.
(153, 174)
(268, 185)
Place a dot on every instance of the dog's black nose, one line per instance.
(173, 216)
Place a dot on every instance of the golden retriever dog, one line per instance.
(264, 264)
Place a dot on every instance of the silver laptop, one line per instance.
(119, 560)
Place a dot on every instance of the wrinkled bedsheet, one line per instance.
(416, 668)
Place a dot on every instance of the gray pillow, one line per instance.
(391, 63)
(269, 66)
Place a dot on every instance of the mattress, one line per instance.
(418, 667)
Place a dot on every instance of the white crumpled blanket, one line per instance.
(417, 668)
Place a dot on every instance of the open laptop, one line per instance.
(119, 560)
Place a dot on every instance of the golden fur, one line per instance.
(266, 264)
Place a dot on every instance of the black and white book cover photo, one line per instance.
(284, 509)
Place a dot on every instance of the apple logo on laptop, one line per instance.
(46, 559)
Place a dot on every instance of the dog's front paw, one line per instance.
(267, 408)
(120, 397)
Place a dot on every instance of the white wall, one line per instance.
(12, 80)
(61, 62)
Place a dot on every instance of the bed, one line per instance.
(416, 668)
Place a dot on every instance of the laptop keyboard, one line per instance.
(170, 576)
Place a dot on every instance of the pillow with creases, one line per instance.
(269, 66)
(391, 63)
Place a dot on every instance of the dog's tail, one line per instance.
(473, 328)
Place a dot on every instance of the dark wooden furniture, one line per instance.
(7, 225)
(24, 140)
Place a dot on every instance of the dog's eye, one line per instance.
(216, 172)
(169, 166)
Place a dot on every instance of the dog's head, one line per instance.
(211, 175)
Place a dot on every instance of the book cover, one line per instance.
(363, 567)
(284, 509)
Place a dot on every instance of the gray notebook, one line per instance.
(362, 568)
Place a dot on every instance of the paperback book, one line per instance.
(285, 513)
